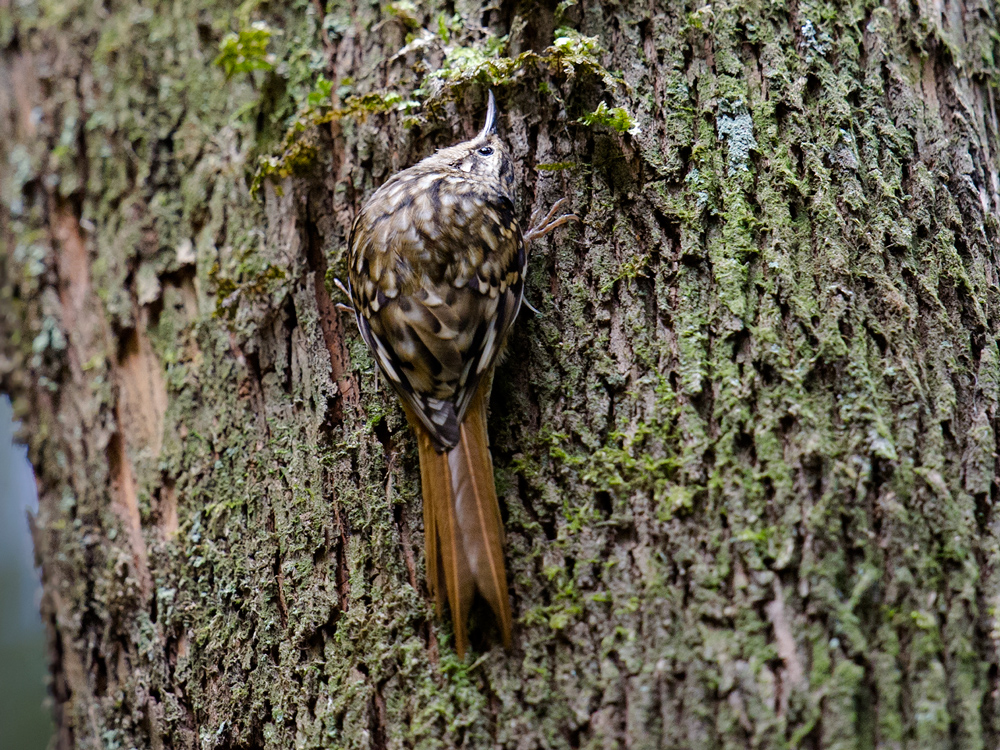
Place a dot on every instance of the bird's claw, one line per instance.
(550, 222)
(346, 292)
(530, 306)
(542, 228)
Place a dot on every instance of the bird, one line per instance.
(436, 269)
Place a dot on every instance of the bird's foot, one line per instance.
(541, 228)
(340, 305)
(549, 223)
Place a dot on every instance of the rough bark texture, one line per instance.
(747, 455)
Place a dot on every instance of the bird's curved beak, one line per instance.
(492, 115)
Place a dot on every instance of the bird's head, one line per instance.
(484, 159)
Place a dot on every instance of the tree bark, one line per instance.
(746, 455)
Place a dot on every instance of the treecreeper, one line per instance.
(437, 263)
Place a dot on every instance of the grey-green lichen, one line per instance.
(735, 127)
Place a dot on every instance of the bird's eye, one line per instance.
(486, 150)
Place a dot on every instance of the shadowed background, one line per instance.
(24, 721)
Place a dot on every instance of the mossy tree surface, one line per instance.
(746, 455)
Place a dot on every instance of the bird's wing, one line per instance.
(436, 344)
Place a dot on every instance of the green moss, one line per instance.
(557, 166)
(406, 11)
(616, 118)
(571, 55)
(246, 50)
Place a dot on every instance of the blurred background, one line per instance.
(24, 717)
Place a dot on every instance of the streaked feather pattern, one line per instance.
(435, 319)
(436, 268)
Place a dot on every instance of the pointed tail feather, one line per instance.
(447, 566)
(433, 483)
(478, 512)
(462, 526)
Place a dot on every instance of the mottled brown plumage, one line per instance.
(436, 270)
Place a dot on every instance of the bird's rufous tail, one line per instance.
(462, 525)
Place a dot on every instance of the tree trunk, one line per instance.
(746, 455)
